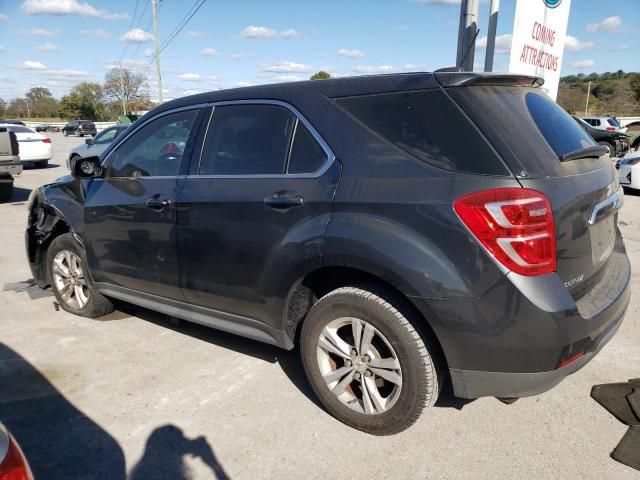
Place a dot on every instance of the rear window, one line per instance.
(19, 129)
(86, 124)
(560, 131)
(429, 126)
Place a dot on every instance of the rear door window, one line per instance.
(306, 154)
(247, 140)
(429, 126)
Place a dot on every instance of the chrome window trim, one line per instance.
(299, 117)
(121, 139)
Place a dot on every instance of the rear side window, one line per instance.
(247, 140)
(306, 154)
(20, 129)
(429, 126)
(560, 131)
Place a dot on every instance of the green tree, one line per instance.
(41, 102)
(17, 108)
(3, 106)
(84, 101)
(321, 75)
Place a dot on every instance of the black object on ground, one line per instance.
(622, 400)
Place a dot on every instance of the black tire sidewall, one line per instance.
(409, 404)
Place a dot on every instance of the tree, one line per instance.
(3, 106)
(84, 101)
(321, 75)
(125, 87)
(18, 108)
(41, 102)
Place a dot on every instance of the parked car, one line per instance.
(95, 146)
(617, 143)
(35, 148)
(347, 215)
(13, 463)
(12, 122)
(79, 128)
(609, 124)
(10, 165)
(629, 170)
(46, 128)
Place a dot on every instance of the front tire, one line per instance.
(367, 363)
(70, 283)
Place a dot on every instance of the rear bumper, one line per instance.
(8, 171)
(474, 384)
(514, 340)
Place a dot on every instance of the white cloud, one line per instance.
(39, 32)
(581, 64)
(372, 70)
(213, 78)
(608, 24)
(2, 48)
(209, 52)
(343, 52)
(289, 33)
(148, 52)
(3, 17)
(31, 65)
(189, 77)
(574, 45)
(48, 47)
(98, 33)
(439, 2)
(242, 84)
(193, 34)
(192, 92)
(503, 43)
(66, 73)
(240, 56)
(258, 32)
(415, 66)
(68, 7)
(286, 67)
(129, 63)
(137, 35)
(622, 46)
(287, 78)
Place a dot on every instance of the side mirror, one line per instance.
(89, 167)
(89, 141)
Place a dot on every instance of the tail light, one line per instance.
(515, 225)
(611, 129)
(170, 148)
(14, 466)
(46, 140)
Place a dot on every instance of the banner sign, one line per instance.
(539, 33)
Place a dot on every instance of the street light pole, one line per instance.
(586, 107)
(491, 35)
(467, 32)
(154, 11)
(122, 94)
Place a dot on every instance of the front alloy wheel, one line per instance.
(69, 280)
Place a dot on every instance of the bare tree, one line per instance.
(124, 86)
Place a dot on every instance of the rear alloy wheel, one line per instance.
(366, 362)
(71, 285)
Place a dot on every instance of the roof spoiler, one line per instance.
(454, 77)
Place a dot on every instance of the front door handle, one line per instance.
(283, 201)
(156, 203)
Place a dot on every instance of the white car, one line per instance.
(629, 170)
(610, 124)
(34, 147)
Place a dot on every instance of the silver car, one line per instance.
(95, 146)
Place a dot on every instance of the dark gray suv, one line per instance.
(405, 230)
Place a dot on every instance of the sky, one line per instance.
(58, 43)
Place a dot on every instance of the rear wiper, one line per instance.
(587, 152)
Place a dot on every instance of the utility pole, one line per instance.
(154, 11)
(491, 35)
(124, 99)
(586, 108)
(467, 32)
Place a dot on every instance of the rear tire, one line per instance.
(380, 385)
(609, 147)
(70, 281)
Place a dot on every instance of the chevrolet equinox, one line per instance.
(405, 230)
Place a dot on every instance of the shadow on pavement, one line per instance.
(59, 441)
(164, 454)
(20, 194)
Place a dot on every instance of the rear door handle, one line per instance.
(283, 201)
(158, 204)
